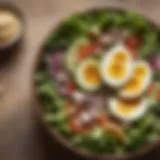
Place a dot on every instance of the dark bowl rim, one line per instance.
(54, 132)
(17, 11)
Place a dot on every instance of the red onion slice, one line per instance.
(155, 62)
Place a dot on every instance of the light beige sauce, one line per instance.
(10, 26)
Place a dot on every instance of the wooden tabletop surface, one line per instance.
(21, 135)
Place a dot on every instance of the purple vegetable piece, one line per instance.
(155, 62)
(55, 63)
(58, 57)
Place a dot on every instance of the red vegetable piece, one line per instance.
(74, 123)
(71, 87)
(75, 127)
(86, 50)
(132, 51)
(102, 119)
(133, 42)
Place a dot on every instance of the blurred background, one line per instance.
(21, 135)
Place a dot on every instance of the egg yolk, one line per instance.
(125, 107)
(116, 70)
(91, 74)
(120, 56)
(136, 82)
(133, 85)
(140, 71)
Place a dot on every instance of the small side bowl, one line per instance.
(20, 15)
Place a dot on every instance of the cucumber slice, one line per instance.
(71, 59)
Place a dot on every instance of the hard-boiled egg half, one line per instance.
(87, 75)
(116, 66)
(128, 111)
(138, 82)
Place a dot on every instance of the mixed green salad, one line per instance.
(99, 81)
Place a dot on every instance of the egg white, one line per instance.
(81, 81)
(106, 61)
(139, 111)
(145, 84)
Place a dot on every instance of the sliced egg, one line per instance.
(116, 66)
(128, 111)
(139, 81)
(87, 75)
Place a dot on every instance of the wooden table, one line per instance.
(21, 136)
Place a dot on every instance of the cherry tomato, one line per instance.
(133, 42)
(133, 52)
(86, 50)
